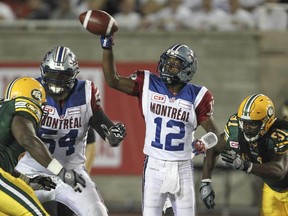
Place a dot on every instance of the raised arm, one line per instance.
(123, 84)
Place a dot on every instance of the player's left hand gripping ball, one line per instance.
(98, 22)
(115, 134)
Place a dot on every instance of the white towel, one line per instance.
(171, 183)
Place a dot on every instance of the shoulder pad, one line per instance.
(27, 106)
(280, 138)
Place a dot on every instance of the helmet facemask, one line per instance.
(59, 69)
(57, 82)
(177, 65)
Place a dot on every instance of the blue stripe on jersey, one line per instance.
(188, 93)
(78, 95)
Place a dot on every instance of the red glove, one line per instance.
(198, 147)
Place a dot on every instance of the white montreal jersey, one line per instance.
(171, 120)
(64, 129)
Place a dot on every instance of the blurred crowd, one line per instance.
(168, 15)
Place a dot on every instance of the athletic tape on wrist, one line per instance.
(54, 166)
(250, 168)
(24, 178)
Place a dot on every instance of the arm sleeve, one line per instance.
(91, 137)
(99, 118)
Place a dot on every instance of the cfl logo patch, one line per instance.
(158, 98)
(234, 144)
(270, 111)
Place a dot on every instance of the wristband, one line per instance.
(24, 178)
(249, 168)
(207, 180)
(106, 42)
(246, 166)
(54, 166)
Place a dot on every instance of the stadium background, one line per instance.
(232, 65)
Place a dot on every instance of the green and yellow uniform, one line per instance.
(275, 142)
(16, 197)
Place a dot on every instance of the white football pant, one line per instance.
(168, 178)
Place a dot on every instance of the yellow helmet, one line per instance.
(26, 87)
(256, 114)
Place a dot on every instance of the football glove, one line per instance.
(232, 159)
(207, 193)
(198, 147)
(107, 41)
(42, 183)
(115, 134)
(73, 179)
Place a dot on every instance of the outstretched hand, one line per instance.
(115, 134)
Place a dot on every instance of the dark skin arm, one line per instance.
(24, 133)
(276, 169)
(213, 153)
(123, 84)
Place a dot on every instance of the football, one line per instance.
(98, 22)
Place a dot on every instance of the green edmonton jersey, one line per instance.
(263, 150)
(10, 150)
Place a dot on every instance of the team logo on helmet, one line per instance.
(270, 111)
(36, 94)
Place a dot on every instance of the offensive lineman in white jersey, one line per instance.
(173, 108)
(73, 106)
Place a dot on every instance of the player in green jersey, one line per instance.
(256, 142)
(20, 117)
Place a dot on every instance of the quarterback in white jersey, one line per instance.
(173, 108)
(72, 107)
